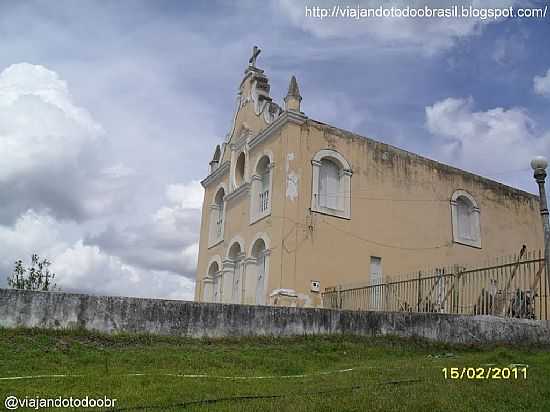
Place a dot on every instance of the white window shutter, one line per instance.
(468, 225)
(323, 185)
(329, 185)
(333, 186)
(463, 220)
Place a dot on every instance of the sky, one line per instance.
(110, 113)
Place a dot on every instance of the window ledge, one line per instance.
(260, 216)
(332, 212)
(242, 189)
(215, 242)
(466, 242)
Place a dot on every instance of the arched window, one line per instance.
(240, 169)
(219, 201)
(217, 214)
(465, 219)
(331, 188)
(263, 171)
(260, 204)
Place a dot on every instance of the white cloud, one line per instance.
(117, 171)
(489, 142)
(428, 34)
(86, 268)
(339, 110)
(40, 127)
(55, 185)
(31, 232)
(187, 195)
(542, 84)
(167, 241)
(511, 47)
(52, 150)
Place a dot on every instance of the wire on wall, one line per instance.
(447, 244)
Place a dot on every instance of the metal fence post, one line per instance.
(539, 164)
(419, 284)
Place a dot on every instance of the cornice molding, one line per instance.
(216, 174)
(250, 259)
(242, 189)
(284, 118)
(241, 142)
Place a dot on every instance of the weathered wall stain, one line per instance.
(180, 318)
(291, 179)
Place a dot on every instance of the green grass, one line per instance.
(388, 374)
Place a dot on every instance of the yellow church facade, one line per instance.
(293, 205)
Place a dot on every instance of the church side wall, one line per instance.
(400, 212)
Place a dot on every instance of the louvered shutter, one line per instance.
(329, 185)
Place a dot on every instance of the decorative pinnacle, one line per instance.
(293, 89)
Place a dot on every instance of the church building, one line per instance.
(293, 205)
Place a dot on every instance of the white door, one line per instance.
(376, 279)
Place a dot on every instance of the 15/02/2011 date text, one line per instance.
(485, 373)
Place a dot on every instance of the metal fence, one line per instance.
(515, 286)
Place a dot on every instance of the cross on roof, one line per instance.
(255, 52)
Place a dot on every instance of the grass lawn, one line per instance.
(291, 374)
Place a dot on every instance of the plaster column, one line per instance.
(207, 291)
(226, 281)
(213, 212)
(238, 275)
(249, 281)
(262, 280)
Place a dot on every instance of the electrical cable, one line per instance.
(447, 244)
(257, 397)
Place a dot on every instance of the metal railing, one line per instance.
(219, 227)
(264, 200)
(515, 286)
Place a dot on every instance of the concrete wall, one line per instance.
(179, 318)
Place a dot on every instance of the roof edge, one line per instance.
(433, 162)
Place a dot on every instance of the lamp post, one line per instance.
(539, 164)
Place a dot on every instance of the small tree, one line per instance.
(36, 277)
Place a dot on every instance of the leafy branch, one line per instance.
(35, 277)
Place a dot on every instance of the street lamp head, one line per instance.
(539, 162)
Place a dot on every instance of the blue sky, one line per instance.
(111, 111)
